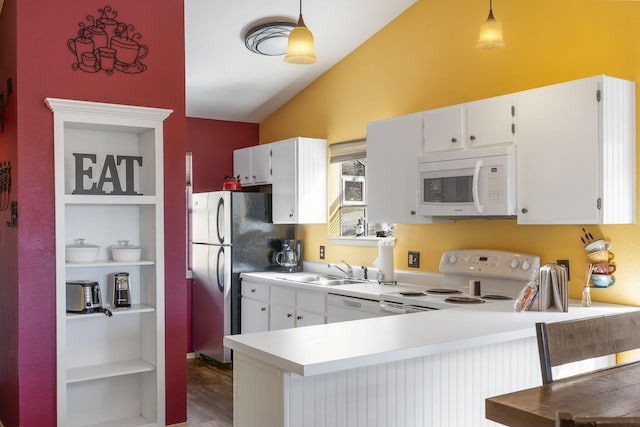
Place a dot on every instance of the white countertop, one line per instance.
(333, 347)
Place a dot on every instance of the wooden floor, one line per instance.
(209, 394)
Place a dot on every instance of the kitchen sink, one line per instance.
(333, 282)
(305, 278)
(319, 279)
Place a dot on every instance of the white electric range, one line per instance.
(470, 276)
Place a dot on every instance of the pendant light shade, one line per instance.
(490, 32)
(300, 47)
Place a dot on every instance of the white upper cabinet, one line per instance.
(392, 171)
(473, 124)
(490, 121)
(252, 165)
(443, 128)
(576, 153)
(299, 181)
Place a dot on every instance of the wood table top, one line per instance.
(612, 392)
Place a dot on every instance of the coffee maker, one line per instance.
(289, 258)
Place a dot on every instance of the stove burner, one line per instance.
(412, 294)
(463, 300)
(443, 291)
(494, 297)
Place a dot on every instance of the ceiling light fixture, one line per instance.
(490, 32)
(300, 49)
(269, 38)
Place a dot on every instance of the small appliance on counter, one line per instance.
(289, 258)
(118, 291)
(83, 296)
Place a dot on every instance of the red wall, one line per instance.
(9, 290)
(42, 68)
(212, 143)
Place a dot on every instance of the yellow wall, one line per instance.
(426, 58)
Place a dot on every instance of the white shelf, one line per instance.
(121, 311)
(121, 383)
(108, 370)
(107, 263)
(127, 422)
(105, 199)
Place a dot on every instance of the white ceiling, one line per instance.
(225, 81)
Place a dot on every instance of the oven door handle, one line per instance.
(390, 309)
(475, 187)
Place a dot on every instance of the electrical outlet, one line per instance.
(321, 252)
(414, 259)
(565, 262)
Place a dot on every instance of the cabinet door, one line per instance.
(308, 318)
(443, 128)
(392, 148)
(255, 316)
(261, 164)
(281, 317)
(557, 144)
(490, 121)
(284, 168)
(242, 165)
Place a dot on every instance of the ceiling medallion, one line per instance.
(269, 39)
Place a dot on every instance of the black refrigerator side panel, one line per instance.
(255, 240)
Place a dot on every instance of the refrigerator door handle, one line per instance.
(220, 220)
(219, 270)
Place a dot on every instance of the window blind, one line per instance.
(348, 150)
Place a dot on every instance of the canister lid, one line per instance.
(124, 244)
(80, 243)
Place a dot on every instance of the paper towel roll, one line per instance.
(384, 262)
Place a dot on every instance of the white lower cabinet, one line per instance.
(267, 307)
(282, 317)
(576, 153)
(292, 308)
(109, 187)
(254, 307)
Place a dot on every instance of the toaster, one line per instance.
(83, 296)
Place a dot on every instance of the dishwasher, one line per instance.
(341, 308)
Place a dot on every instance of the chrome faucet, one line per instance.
(348, 271)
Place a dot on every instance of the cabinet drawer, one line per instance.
(311, 301)
(255, 291)
(284, 296)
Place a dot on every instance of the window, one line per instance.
(348, 222)
(351, 205)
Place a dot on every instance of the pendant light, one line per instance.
(300, 47)
(490, 32)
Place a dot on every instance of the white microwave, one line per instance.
(468, 183)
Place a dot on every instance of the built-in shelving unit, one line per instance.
(110, 369)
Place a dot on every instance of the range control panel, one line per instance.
(489, 263)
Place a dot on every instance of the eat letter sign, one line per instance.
(109, 174)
